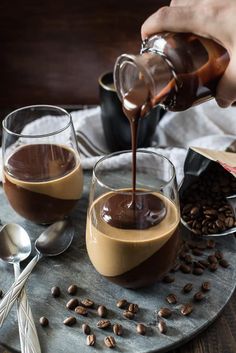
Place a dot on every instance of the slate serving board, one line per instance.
(74, 267)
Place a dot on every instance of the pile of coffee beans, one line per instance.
(204, 207)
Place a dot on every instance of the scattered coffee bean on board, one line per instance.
(86, 329)
(133, 308)
(171, 298)
(122, 303)
(162, 327)
(213, 267)
(176, 267)
(168, 279)
(110, 341)
(185, 268)
(1, 294)
(186, 309)
(87, 303)
(118, 329)
(72, 289)
(56, 292)
(128, 314)
(219, 255)
(204, 263)
(81, 310)
(212, 259)
(72, 303)
(69, 321)
(224, 263)
(164, 312)
(211, 243)
(91, 340)
(199, 296)
(141, 329)
(103, 324)
(102, 311)
(206, 286)
(198, 271)
(188, 287)
(43, 321)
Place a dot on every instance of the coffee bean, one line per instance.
(133, 308)
(199, 296)
(1, 294)
(204, 263)
(141, 329)
(118, 329)
(213, 267)
(229, 222)
(224, 263)
(56, 292)
(182, 255)
(72, 289)
(188, 287)
(72, 303)
(186, 309)
(206, 286)
(210, 212)
(168, 279)
(171, 298)
(187, 208)
(128, 314)
(102, 311)
(198, 271)
(164, 312)
(103, 324)
(43, 321)
(122, 303)
(197, 252)
(212, 259)
(87, 303)
(110, 341)
(211, 243)
(185, 268)
(162, 326)
(86, 329)
(81, 310)
(219, 255)
(91, 340)
(69, 321)
(194, 211)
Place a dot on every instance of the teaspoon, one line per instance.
(53, 241)
(16, 247)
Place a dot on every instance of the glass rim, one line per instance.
(4, 122)
(173, 174)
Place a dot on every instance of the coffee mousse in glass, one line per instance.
(43, 177)
(133, 239)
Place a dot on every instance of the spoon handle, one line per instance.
(27, 330)
(12, 294)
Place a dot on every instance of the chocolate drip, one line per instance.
(118, 211)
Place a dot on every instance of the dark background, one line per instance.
(53, 52)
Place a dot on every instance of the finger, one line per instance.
(182, 2)
(176, 19)
(226, 89)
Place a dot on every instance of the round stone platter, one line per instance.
(74, 267)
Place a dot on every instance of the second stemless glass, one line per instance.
(133, 256)
(42, 173)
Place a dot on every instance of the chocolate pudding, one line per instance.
(43, 181)
(132, 256)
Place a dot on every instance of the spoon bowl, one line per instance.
(15, 243)
(55, 239)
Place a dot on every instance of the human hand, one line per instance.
(213, 19)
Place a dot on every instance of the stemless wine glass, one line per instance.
(42, 173)
(133, 244)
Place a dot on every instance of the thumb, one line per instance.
(226, 89)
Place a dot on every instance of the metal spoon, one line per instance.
(16, 247)
(53, 241)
